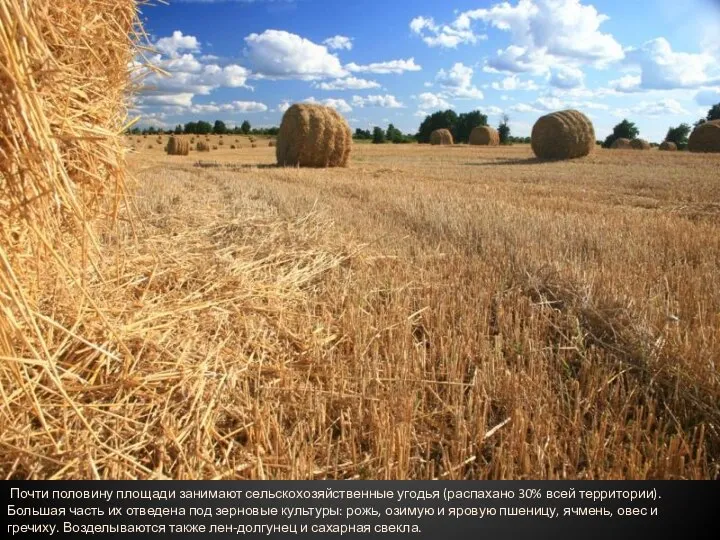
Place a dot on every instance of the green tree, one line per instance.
(378, 135)
(624, 130)
(362, 134)
(679, 135)
(204, 128)
(465, 123)
(504, 129)
(245, 127)
(713, 113)
(394, 135)
(438, 120)
(178, 130)
(220, 128)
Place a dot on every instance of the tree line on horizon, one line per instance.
(460, 125)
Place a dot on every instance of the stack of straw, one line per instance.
(65, 81)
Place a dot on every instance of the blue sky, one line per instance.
(382, 61)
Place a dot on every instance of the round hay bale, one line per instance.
(313, 136)
(484, 136)
(441, 136)
(563, 135)
(621, 144)
(668, 146)
(202, 147)
(271, 144)
(639, 144)
(177, 147)
(214, 147)
(232, 147)
(705, 137)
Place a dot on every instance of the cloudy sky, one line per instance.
(380, 61)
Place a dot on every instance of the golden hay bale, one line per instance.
(313, 136)
(65, 78)
(705, 137)
(441, 136)
(484, 136)
(214, 147)
(177, 147)
(271, 144)
(621, 144)
(668, 146)
(254, 145)
(202, 147)
(639, 144)
(232, 147)
(220, 142)
(563, 135)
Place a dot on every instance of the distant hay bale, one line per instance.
(253, 145)
(177, 147)
(214, 147)
(621, 144)
(705, 137)
(232, 147)
(639, 144)
(484, 136)
(668, 146)
(220, 142)
(271, 144)
(313, 136)
(441, 137)
(563, 135)
(202, 147)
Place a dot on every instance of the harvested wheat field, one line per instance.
(273, 340)
(423, 312)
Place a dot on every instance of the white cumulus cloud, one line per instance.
(457, 82)
(277, 54)
(386, 101)
(383, 68)
(348, 83)
(338, 42)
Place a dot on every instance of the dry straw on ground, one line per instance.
(705, 137)
(668, 146)
(485, 136)
(639, 144)
(621, 144)
(441, 137)
(313, 136)
(177, 146)
(563, 135)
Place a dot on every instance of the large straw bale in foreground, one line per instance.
(621, 144)
(313, 136)
(705, 137)
(64, 81)
(441, 136)
(563, 135)
(639, 144)
(668, 146)
(484, 136)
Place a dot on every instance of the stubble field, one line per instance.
(433, 312)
